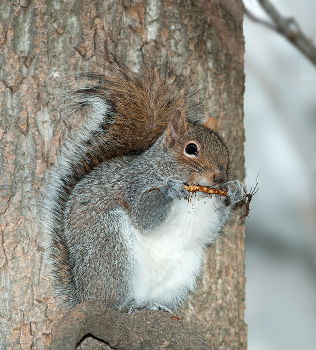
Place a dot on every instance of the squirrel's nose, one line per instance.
(219, 178)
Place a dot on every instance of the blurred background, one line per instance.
(280, 122)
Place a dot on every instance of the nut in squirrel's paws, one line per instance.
(205, 189)
(232, 190)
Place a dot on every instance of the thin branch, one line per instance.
(256, 19)
(287, 27)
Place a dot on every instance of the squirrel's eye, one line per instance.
(191, 149)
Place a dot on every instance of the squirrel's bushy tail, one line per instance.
(126, 113)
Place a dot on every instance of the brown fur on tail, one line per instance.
(144, 102)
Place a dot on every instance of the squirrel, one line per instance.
(121, 228)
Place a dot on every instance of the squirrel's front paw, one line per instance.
(175, 189)
(235, 192)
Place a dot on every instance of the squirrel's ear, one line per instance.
(211, 124)
(177, 126)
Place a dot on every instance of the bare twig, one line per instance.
(288, 27)
(248, 200)
(254, 18)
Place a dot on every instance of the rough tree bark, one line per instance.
(43, 47)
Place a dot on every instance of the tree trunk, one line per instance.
(44, 45)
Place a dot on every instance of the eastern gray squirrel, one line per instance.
(121, 228)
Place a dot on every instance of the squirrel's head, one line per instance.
(199, 149)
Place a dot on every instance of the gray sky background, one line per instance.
(280, 122)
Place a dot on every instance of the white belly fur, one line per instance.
(171, 256)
